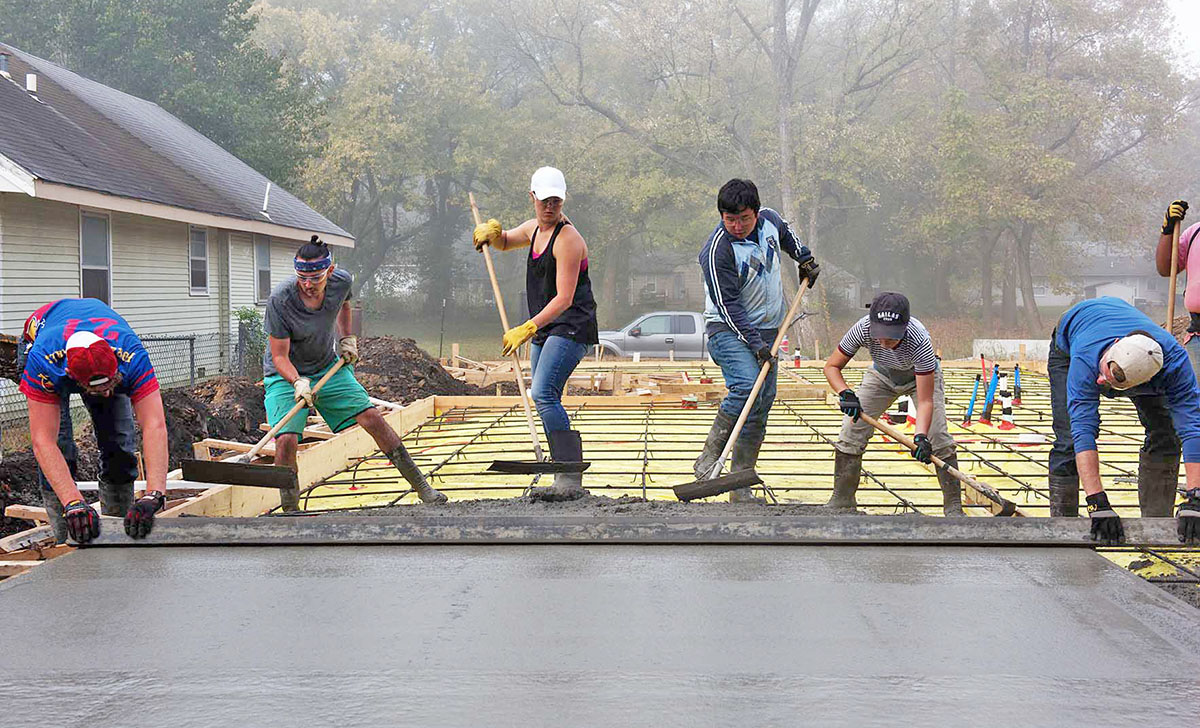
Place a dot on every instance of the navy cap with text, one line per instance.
(889, 316)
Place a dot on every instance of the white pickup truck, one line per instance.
(656, 335)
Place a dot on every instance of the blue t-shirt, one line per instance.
(1090, 327)
(45, 377)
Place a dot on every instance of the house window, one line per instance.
(198, 260)
(95, 274)
(262, 269)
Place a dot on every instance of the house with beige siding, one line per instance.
(106, 195)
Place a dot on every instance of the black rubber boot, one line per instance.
(847, 469)
(404, 463)
(565, 447)
(951, 488)
(718, 435)
(54, 511)
(1158, 478)
(115, 499)
(745, 457)
(1064, 495)
(289, 500)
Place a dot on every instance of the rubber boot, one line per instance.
(565, 447)
(951, 488)
(54, 511)
(1064, 495)
(404, 463)
(718, 435)
(847, 469)
(745, 457)
(289, 500)
(115, 499)
(1158, 478)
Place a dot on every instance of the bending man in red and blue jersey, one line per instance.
(1105, 347)
(81, 346)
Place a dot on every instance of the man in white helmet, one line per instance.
(1107, 347)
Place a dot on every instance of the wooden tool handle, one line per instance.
(1174, 274)
(271, 433)
(491, 269)
(758, 382)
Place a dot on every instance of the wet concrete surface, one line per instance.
(594, 635)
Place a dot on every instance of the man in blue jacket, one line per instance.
(1107, 347)
(744, 309)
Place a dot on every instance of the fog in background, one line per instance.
(954, 150)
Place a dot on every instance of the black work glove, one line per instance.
(923, 452)
(1189, 518)
(1106, 524)
(1176, 211)
(140, 518)
(83, 523)
(763, 354)
(809, 269)
(849, 404)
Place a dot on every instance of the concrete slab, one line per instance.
(594, 635)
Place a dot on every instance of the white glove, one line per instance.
(303, 389)
(347, 348)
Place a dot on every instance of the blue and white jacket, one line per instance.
(743, 290)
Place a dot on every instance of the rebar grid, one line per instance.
(645, 449)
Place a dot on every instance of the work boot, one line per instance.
(745, 457)
(951, 488)
(1064, 495)
(404, 463)
(565, 447)
(289, 500)
(54, 511)
(846, 471)
(115, 499)
(718, 435)
(1158, 478)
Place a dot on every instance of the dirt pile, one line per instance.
(226, 408)
(397, 370)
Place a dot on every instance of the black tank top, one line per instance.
(578, 322)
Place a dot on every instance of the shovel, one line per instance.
(1001, 505)
(541, 464)
(715, 483)
(239, 471)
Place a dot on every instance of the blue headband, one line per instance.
(312, 266)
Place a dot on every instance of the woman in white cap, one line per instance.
(1106, 346)
(562, 314)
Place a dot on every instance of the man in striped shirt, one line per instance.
(741, 263)
(904, 362)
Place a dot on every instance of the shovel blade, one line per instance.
(230, 473)
(708, 487)
(533, 467)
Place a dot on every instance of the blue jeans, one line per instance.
(552, 363)
(740, 368)
(1193, 351)
(112, 420)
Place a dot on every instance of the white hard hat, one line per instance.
(1133, 360)
(548, 182)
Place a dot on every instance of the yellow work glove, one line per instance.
(514, 337)
(1176, 211)
(488, 233)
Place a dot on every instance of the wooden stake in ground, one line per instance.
(1174, 275)
(1004, 507)
(491, 269)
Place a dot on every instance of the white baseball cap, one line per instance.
(548, 182)
(1133, 360)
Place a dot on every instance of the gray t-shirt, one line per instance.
(313, 332)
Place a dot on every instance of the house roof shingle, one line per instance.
(81, 133)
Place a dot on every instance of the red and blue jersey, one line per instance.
(45, 377)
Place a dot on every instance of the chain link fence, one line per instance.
(179, 361)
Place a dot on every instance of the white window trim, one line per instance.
(108, 226)
(254, 245)
(199, 292)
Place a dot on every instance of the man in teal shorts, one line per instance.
(308, 322)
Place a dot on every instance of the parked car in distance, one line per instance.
(656, 335)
